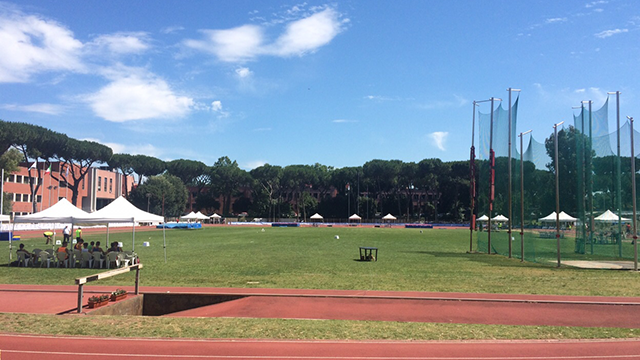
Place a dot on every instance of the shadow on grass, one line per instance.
(494, 259)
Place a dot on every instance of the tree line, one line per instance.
(428, 190)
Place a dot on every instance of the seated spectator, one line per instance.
(97, 248)
(27, 254)
(114, 247)
(85, 248)
(63, 249)
(78, 245)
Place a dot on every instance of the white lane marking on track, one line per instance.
(156, 356)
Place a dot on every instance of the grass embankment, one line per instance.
(311, 258)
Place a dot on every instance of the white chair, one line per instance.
(75, 257)
(23, 259)
(124, 261)
(44, 258)
(112, 258)
(98, 260)
(87, 260)
(50, 251)
(131, 256)
(62, 259)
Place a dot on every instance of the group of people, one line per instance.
(80, 245)
(92, 247)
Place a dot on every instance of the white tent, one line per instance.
(61, 212)
(189, 216)
(500, 218)
(389, 217)
(215, 216)
(564, 217)
(122, 211)
(609, 216)
(201, 216)
(316, 216)
(355, 217)
(483, 218)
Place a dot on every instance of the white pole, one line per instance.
(555, 133)
(633, 197)
(2, 193)
(164, 239)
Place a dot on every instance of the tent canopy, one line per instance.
(355, 217)
(316, 216)
(201, 216)
(215, 216)
(61, 212)
(609, 216)
(189, 216)
(500, 218)
(388, 217)
(564, 217)
(119, 210)
(483, 218)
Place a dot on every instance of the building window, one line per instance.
(25, 179)
(110, 186)
(83, 183)
(99, 183)
(12, 178)
(25, 197)
(38, 198)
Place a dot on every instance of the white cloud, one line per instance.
(555, 20)
(233, 45)
(438, 139)
(216, 105)
(137, 96)
(247, 42)
(308, 34)
(607, 33)
(456, 102)
(121, 43)
(171, 29)
(341, 121)
(31, 45)
(253, 164)
(43, 108)
(595, 3)
(243, 72)
(133, 149)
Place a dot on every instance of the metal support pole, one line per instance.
(492, 164)
(137, 286)
(522, 196)
(80, 295)
(633, 197)
(555, 134)
(510, 215)
(472, 179)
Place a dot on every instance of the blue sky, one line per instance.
(284, 83)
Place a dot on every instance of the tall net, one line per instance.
(593, 180)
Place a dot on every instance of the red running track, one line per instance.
(26, 347)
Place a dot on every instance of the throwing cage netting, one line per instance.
(594, 169)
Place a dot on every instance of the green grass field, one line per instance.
(311, 258)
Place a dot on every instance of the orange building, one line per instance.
(97, 189)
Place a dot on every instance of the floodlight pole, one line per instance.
(510, 216)
(555, 135)
(633, 197)
(618, 173)
(589, 172)
(522, 196)
(492, 164)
